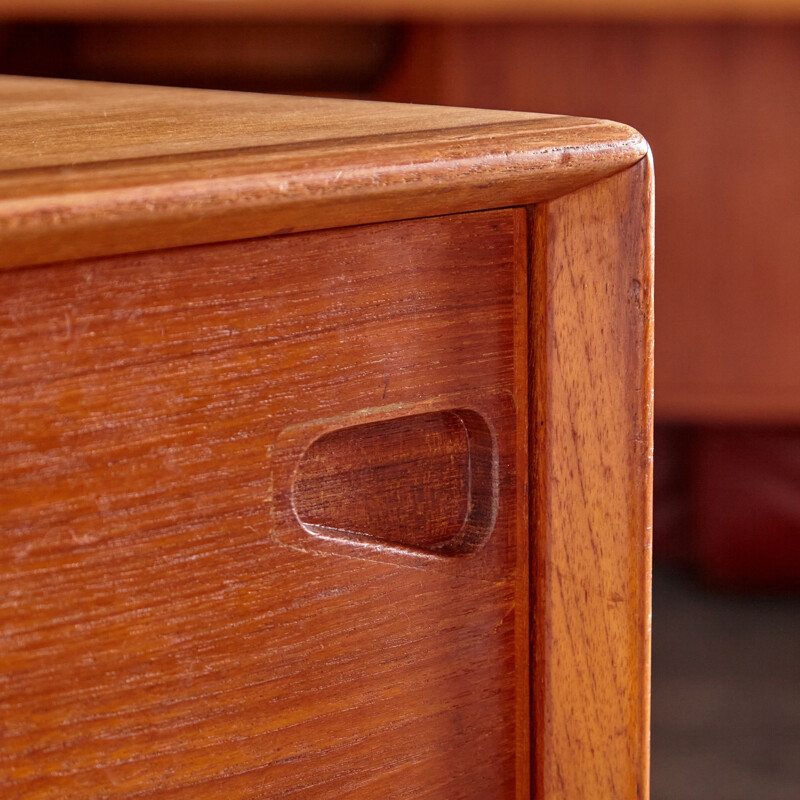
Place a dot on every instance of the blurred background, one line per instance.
(714, 85)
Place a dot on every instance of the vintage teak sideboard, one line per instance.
(325, 467)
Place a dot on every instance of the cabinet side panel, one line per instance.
(591, 340)
(168, 627)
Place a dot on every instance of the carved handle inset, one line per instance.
(426, 482)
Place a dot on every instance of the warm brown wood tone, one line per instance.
(318, 514)
(141, 438)
(238, 165)
(404, 9)
(426, 481)
(715, 103)
(122, 124)
(592, 320)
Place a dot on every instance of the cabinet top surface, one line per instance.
(79, 158)
(61, 123)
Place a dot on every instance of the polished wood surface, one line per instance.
(592, 320)
(425, 480)
(174, 167)
(117, 124)
(193, 609)
(715, 103)
(404, 9)
(155, 408)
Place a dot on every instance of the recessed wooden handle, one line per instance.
(425, 482)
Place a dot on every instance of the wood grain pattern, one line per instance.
(168, 628)
(97, 123)
(425, 481)
(177, 167)
(591, 323)
(185, 615)
(404, 9)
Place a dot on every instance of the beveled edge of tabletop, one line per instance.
(91, 169)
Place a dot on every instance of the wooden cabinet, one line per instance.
(325, 458)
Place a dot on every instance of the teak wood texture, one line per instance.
(354, 511)
(149, 524)
(232, 165)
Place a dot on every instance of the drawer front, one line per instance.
(263, 518)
